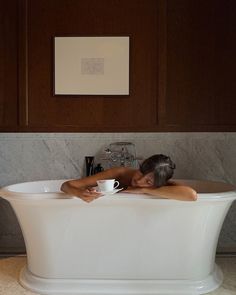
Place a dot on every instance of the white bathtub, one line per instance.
(119, 244)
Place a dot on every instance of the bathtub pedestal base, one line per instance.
(119, 287)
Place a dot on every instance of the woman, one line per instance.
(152, 178)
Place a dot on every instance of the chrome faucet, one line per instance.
(121, 154)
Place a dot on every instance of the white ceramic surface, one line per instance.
(107, 185)
(121, 244)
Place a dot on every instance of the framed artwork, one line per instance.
(91, 65)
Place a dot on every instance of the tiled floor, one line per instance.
(10, 268)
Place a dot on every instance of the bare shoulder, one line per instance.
(125, 175)
(120, 173)
(123, 170)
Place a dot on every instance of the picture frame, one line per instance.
(91, 65)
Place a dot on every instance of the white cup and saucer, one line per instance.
(108, 186)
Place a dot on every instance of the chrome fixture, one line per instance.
(121, 154)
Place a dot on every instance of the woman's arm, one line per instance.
(83, 188)
(176, 192)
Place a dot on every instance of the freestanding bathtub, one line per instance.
(119, 244)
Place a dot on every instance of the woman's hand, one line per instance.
(86, 194)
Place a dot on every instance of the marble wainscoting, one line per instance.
(39, 156)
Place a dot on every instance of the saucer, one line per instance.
(114, 191)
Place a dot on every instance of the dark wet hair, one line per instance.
(162, 167)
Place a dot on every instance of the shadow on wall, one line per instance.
(11, 238)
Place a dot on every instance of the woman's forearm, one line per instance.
(177, 192)
(82, 187)
(91, 181)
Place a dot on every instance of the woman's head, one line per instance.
(154, 171)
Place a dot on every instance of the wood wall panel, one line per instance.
(135, 18)
(182, 65)
(201, 65)
(8, 64)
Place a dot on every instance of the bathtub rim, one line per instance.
(8, 194)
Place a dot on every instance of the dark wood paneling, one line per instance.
(182, 65)
(8, 64)
(135, 18)
(201, 64)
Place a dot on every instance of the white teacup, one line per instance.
(107, 185)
